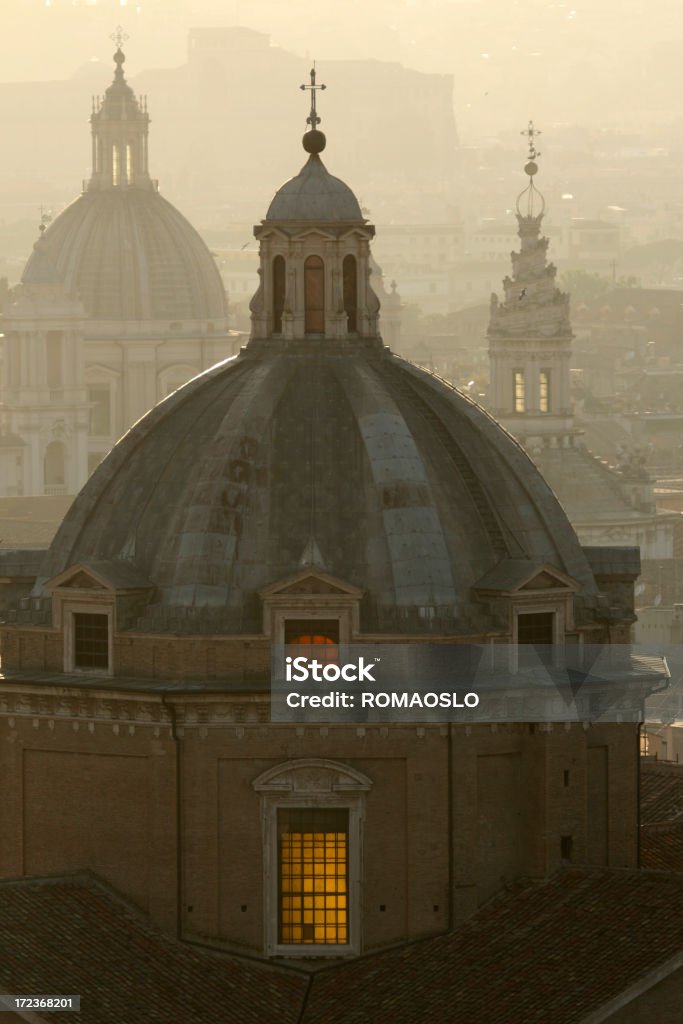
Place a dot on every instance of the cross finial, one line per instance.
(119, 37)
(531, 134)
(313, 118)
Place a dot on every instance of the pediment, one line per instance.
(308, 582)
(111, 576)
(263, 232)
(521, 575)
(76, 578)
(544, 581)
(357, 233)
(308, 234)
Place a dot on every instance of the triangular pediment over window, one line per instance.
(307, 582)
(111, 575)
(521, 575)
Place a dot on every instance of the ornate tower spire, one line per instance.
(529, 329)
(120, 126)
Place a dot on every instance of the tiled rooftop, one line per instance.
(550, 952)
(661, 792)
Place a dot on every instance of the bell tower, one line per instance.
(314, 255)
(529, 334)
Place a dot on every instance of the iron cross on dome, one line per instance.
(313, 118)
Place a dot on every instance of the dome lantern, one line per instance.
(120, 127)
(314, 254)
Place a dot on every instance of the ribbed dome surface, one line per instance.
(405, 487)
(314, 194)
(128, 254)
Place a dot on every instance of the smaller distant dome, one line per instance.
(314, 195)
(654, 312)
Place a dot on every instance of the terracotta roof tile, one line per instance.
(661, 792)
(661, 847)
(566, 946)
(549, 952)
(74, 936)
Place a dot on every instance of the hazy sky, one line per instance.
(589, 61)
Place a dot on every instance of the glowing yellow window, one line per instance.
(519, 391)
(544, 391)
(313, 870)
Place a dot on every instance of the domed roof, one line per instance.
(402, 486)
(128, 254)
(314, 194)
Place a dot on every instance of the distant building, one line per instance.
(120, 303)
(530, 346)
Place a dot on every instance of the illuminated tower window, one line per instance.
(519, 391)
(129, 163)
(313, 871)
(544, 391)
(314, 295)
(115, 169)
(278, 293)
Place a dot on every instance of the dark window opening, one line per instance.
(566, 777)
(350, 293)
(91, 640)
(535, 628)
(278, 293)
(313, 876)
(566, 848)
(314, 295)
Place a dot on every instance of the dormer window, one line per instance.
(536, 628)
(312, 608)
(87, 601)
(91, 640)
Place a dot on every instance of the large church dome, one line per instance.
(372, 468)
(121, 248)
(317, 446)
(130, 255)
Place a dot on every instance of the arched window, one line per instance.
(350, 293)
(278, 293)
(314, 295)
(115, 168)
(129, 163)
(53, 467)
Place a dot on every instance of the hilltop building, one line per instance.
(119, 304)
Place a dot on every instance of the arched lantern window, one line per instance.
(278, 293)
(314, 295)
(350, 282)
